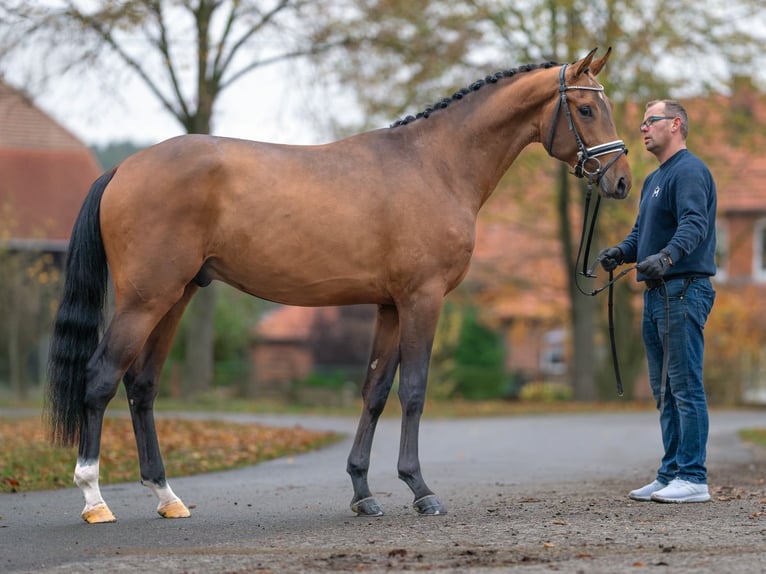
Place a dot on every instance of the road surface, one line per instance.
(524, 493)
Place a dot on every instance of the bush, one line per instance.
(544, 392)
(334, 380)
(477, 371)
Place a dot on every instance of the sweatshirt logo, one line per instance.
(656, 191)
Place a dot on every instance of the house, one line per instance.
(46, 173)
(292, 343)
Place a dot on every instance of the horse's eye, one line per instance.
(586, 111)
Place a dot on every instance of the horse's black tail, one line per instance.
(78, 321)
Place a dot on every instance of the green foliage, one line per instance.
(235, 315)
(333, 380)
(478, 371)
(545, 392)
(754, 436)
(111, 154)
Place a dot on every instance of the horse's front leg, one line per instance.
(418, 318)
(384, 358)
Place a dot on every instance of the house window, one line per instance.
(722, 251)
(759, 251)
(553, 353)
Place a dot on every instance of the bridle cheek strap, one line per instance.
(585, 155)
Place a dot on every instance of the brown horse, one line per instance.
(385, 217)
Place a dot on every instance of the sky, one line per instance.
(261, 106)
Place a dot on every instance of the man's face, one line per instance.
(656, 128)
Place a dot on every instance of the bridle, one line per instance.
(587, 155)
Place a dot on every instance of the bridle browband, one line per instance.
(585, 154)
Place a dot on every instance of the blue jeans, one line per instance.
(684, 415)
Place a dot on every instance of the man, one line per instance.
(674, 241)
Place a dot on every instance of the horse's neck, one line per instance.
(487, 132)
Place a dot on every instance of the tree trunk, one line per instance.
(581, 373)
(198, 359)
(15, 359)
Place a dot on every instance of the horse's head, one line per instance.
(580, 130)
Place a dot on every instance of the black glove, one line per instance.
(610, 258)
(655, 266)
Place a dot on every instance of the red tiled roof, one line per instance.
(41, 191)
(46, 172)
(26, 126)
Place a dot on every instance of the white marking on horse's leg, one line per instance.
(374, 364)
(86, 477)
(170, 506)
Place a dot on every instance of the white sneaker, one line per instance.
(680, 490)
(644, 494)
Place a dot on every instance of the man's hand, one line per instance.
(655, 266)
(610, 258)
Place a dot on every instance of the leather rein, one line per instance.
(586, 156)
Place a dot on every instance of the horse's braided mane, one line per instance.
(477, 85)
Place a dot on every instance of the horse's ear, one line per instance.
(597, 65)
(582, 66)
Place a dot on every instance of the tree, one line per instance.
(396, 54)
(187, 54)
(30, 282)
(412, 49)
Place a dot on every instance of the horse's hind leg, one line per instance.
(142, 386)
(384, 359)
(117, 350)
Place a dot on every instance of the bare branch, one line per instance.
(163, 47)
(106, 35)
(247, 35)
(313, 51)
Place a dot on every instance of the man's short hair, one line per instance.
(675, 109)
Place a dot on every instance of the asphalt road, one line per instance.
(292, 514)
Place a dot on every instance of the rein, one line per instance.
(584, 156)
(589, 272)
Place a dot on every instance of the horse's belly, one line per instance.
(303, 283)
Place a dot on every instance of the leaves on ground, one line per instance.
(188, 447)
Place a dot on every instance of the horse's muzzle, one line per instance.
(616, 187)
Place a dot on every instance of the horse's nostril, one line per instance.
(622, 188)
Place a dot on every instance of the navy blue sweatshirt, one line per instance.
(677, 213)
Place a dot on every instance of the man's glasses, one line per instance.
(649, 122)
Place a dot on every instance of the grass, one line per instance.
(189, 447)
(754, 436)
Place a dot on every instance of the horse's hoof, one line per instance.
(174, 509)
(429, 505)
(367, 507)
(98, 515)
